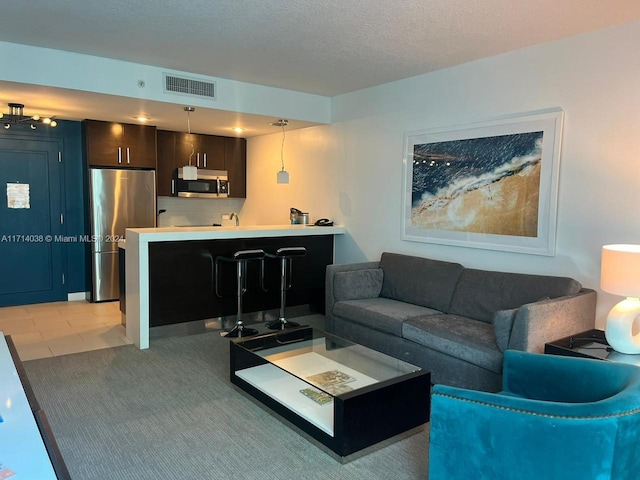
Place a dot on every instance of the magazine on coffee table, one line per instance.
(321, 398)
(333, 381)
(331, 377)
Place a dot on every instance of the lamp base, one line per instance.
(620, 327)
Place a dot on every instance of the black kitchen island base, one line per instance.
(182, 278)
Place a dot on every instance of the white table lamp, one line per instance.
(620, 275)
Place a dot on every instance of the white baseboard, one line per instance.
(76, 296)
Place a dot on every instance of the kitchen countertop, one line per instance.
(174, 233)
(163, 234)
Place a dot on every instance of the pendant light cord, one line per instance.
(190, 137)
(282, 148)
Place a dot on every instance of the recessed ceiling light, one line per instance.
(143, 118)
(238, 130)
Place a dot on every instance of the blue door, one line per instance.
(31, 225)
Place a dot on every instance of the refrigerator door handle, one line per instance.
(119, 154)
(128, 156)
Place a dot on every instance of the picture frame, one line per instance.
(490, 185)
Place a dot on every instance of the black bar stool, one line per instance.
(286, 256)
(240, 258)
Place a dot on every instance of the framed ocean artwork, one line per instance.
(491, 185)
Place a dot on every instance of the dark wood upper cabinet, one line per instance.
(235, 155)
(209, 152)
(187, 148)
(122, 145)
(205, 151)
(212, 152)
(167, 162)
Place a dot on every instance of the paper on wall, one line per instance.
(18, 195)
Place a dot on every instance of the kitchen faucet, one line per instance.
(235, 215)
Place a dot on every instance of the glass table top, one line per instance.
(329, 363)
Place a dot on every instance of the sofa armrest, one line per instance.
(542, 322)
(330, 298)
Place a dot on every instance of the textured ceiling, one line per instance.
(326, 47)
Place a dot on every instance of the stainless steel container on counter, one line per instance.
(299, 217)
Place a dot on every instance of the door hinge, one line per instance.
(63, 279)
(61, 218)
(59, 157)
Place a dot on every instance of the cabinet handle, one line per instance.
(173, 187)
(119, 154)
(197, 159)
(204, 160)
(128, 156)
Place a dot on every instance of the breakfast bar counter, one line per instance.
(169, 272)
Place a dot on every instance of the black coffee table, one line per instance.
(344, 395)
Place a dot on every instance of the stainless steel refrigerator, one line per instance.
(120, 199)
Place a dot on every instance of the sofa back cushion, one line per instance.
(421, 281)
(481, 293)
(357, 284)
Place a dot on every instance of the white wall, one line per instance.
(352, 170)
(310, 159)
(198, 211)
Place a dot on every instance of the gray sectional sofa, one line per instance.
(454, 321)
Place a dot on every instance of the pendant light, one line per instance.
(283, 175)
(190, 172)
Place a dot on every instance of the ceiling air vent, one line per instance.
(189, 86)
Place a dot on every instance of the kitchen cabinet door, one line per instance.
(122, 145)
(235, 153)
(166, 162)
(140, 145)
(187, 145)
(212, 152)
(206, 151)
(103, 143)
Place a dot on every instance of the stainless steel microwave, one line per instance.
(209, 184)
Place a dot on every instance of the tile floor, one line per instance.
(52, 329)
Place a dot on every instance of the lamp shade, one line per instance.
(283, 176)
(620, 270)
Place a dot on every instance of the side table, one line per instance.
(589, 344)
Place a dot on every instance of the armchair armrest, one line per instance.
(570, 380)
(483, 435)
(541, 322)
(330, 297)
(556, 386)
(580, 416)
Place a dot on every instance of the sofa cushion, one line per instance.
(459, 337)
(421, 281)
(355, 284)
(502, 325)
(481, 293)
(382, 314)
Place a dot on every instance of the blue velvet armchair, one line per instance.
(555, 418)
